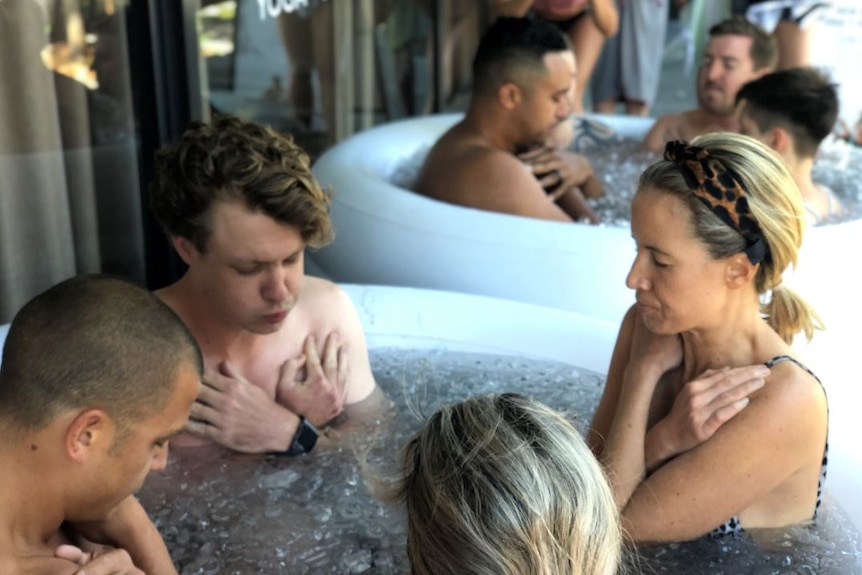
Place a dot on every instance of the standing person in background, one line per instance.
(306, 35)
(792, 24)
(629, 67)
(586, 23)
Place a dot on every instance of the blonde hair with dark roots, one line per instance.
(235, 160)
(775, 203)
(504, 485)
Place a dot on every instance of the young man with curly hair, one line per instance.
(284, 352)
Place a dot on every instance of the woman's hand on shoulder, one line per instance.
(700, 409)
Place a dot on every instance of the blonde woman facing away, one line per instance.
(502, 484)
(707, 423)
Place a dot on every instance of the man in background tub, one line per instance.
(499, 157)
(284, 353)
(97, 376)
(792, 111)
(738, 51)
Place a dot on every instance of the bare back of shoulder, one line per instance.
(446, 173)
(684, 126)
(464, 169)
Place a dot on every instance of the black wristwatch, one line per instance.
(303, 440)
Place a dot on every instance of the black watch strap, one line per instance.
(303, 440)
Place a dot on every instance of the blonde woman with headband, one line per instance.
(503, 484)
(708, 424)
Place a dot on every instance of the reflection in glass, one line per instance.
(69, 198)
(323, 69)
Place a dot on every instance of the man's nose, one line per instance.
(713, 70)
(275, 288)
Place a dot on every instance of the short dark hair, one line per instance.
(764, 49)
(509, 47)
(233, 159)
(800, 100)
(92, 341)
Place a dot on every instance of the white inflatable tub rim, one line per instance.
(374, 175)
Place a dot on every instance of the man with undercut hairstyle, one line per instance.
(500, 157)
(97, 375)
(738, 51)
(284, 352)
(792, 112)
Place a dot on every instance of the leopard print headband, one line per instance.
(720, 191)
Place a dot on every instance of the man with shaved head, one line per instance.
(97, 375)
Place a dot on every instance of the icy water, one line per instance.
(223, 513)
(838, 166)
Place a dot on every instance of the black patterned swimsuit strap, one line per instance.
(825, 462)
(780, 358)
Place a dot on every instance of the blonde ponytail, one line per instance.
(788, 314)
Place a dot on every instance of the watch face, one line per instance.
(303, 440)
(306, 437)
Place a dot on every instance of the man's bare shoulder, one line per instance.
(461, 149)
(329, 310)
(323, 290)
(323, 301)
(487, 165)
(669, 127)
(462, 168)
(669, 120)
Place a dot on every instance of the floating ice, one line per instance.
(240, 514)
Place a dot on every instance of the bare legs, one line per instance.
(794, 45)
(308, 42)
(587, 41)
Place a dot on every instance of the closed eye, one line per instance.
(247, 271)
(730, 63)
(657, 263)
